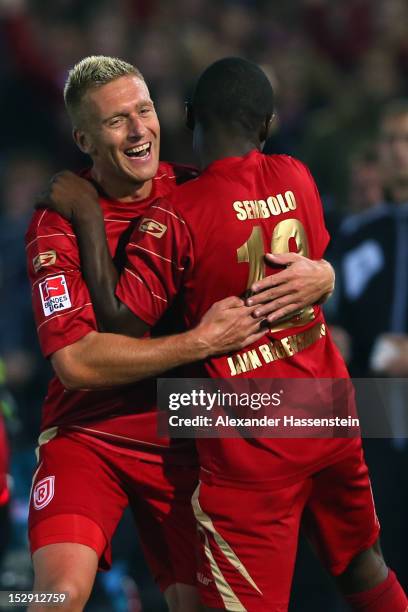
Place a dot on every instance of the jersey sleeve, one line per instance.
(62, 306)
(159, 259)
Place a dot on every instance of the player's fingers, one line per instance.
(262, 310)
(253, 338)
(246, 323)
(251, 310)
(265, 283)
(230, 302)
(261, 324)
(283, 312)
(247, 315)
(283, 259)
(286, 301)
(254, 325)
(225, 308)
(273, 280)
(243, 311)
(271, 295)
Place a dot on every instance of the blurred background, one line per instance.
(336, 66)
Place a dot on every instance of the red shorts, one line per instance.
(249, 538)
(81, 489)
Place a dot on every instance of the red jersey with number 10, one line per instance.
(207, 241)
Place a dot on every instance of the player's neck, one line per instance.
(121, 190)
(216, 144)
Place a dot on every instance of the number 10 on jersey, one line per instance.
(286, 234)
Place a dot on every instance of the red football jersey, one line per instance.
(64, 314)
(208, 241)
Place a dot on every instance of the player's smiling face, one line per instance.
(123, 136)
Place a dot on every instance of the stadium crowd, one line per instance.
(335, 66)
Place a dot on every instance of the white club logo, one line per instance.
(43, 492)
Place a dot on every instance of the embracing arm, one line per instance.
(101, 275)
(303, 282)
(105, 360)
(77, 200)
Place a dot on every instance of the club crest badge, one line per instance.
(152, 227)
(48, 258)
(43, 492)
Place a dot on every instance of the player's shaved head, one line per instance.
(235, 91)
(92, 72)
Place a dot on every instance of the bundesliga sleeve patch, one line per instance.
(54, 294)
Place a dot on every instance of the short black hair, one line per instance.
(233, 90)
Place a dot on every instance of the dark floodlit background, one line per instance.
(333, 64)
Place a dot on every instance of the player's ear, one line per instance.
(82, 141)
(266, 128)
(189, 115)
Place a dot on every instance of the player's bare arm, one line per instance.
(101, 359)
(76, 199)
(302, 282)
(104, 360)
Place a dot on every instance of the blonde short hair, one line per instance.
(90, 73)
